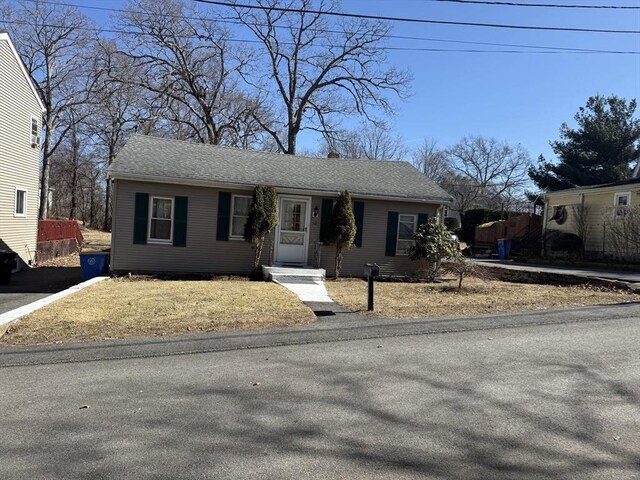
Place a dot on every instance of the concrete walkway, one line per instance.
(588, 273)
(307, 289)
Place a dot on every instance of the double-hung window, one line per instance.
(160, 220)
(407, 225)
(621, 202)
(239, 214)
(20, 209)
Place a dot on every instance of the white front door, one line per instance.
(292, 234)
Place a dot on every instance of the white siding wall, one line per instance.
(19, 162)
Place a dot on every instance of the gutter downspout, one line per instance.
(582, 220)
(544, 224)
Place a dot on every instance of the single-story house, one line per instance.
(598, 213)
(181, 207)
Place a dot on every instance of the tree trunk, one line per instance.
(257, 254)
(43, 209)
(338, 265)
(106, 226)
(291, 142)
(74, 190)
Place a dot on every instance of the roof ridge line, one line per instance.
(260, 152)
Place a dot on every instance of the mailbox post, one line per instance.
(371, 271)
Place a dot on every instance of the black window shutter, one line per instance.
(358, 214)
(423, 218)
(392, 234)
(224, 216)
(141, 218)
(325, 219)
(180, 222)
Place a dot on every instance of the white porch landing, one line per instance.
(307, 283)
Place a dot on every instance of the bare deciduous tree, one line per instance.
(581, 214)
(432, 161)
(369, 141)
(318, 71)
(496, 170)
(118, 107)
(182, 55)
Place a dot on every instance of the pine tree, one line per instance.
(342, 228)
(600, 150)
(263, 217)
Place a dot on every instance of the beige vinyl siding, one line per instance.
(204, 253)
(599, 205)
(19, 162)
(374, 240)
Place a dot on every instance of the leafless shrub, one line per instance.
(623, 233)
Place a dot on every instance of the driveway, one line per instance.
(533, 401)
(595, 273)
(30, 285)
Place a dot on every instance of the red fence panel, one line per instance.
(50, 230)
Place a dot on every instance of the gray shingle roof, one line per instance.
(177, 161)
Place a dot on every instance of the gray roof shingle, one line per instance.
(181, 162)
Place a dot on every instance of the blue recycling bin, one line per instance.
(94, 264)
(503, 249)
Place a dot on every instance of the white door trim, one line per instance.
(307, 224)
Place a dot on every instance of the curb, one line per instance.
(13, 315)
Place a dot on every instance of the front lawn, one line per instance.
(477, 297)
(117, 308)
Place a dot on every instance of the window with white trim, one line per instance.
(20, 209)
(34, 140)
(407, 225)
(160, 220)
(621, 202)
(240, 205)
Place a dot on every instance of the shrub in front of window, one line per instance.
(342, 228)
(263, 217)
(433, 244)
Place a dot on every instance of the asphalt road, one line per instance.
(539, 401)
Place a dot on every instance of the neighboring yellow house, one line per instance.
(605, 216)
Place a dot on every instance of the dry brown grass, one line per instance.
(477, 297)
(118, 308)
(95, 239)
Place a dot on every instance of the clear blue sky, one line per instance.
(515, 97)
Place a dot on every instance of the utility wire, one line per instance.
(541, 5)
(413, 20)
(398, 37)
(403, 49)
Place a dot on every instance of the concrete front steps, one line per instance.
(292, 274)
(307, 283)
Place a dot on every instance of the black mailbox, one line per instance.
(371, 270)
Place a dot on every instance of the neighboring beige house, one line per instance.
(606, 211)
(181, 207)
(21, 113)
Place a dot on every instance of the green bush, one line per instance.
(263, 217)
(342, 228)
(433, 244)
